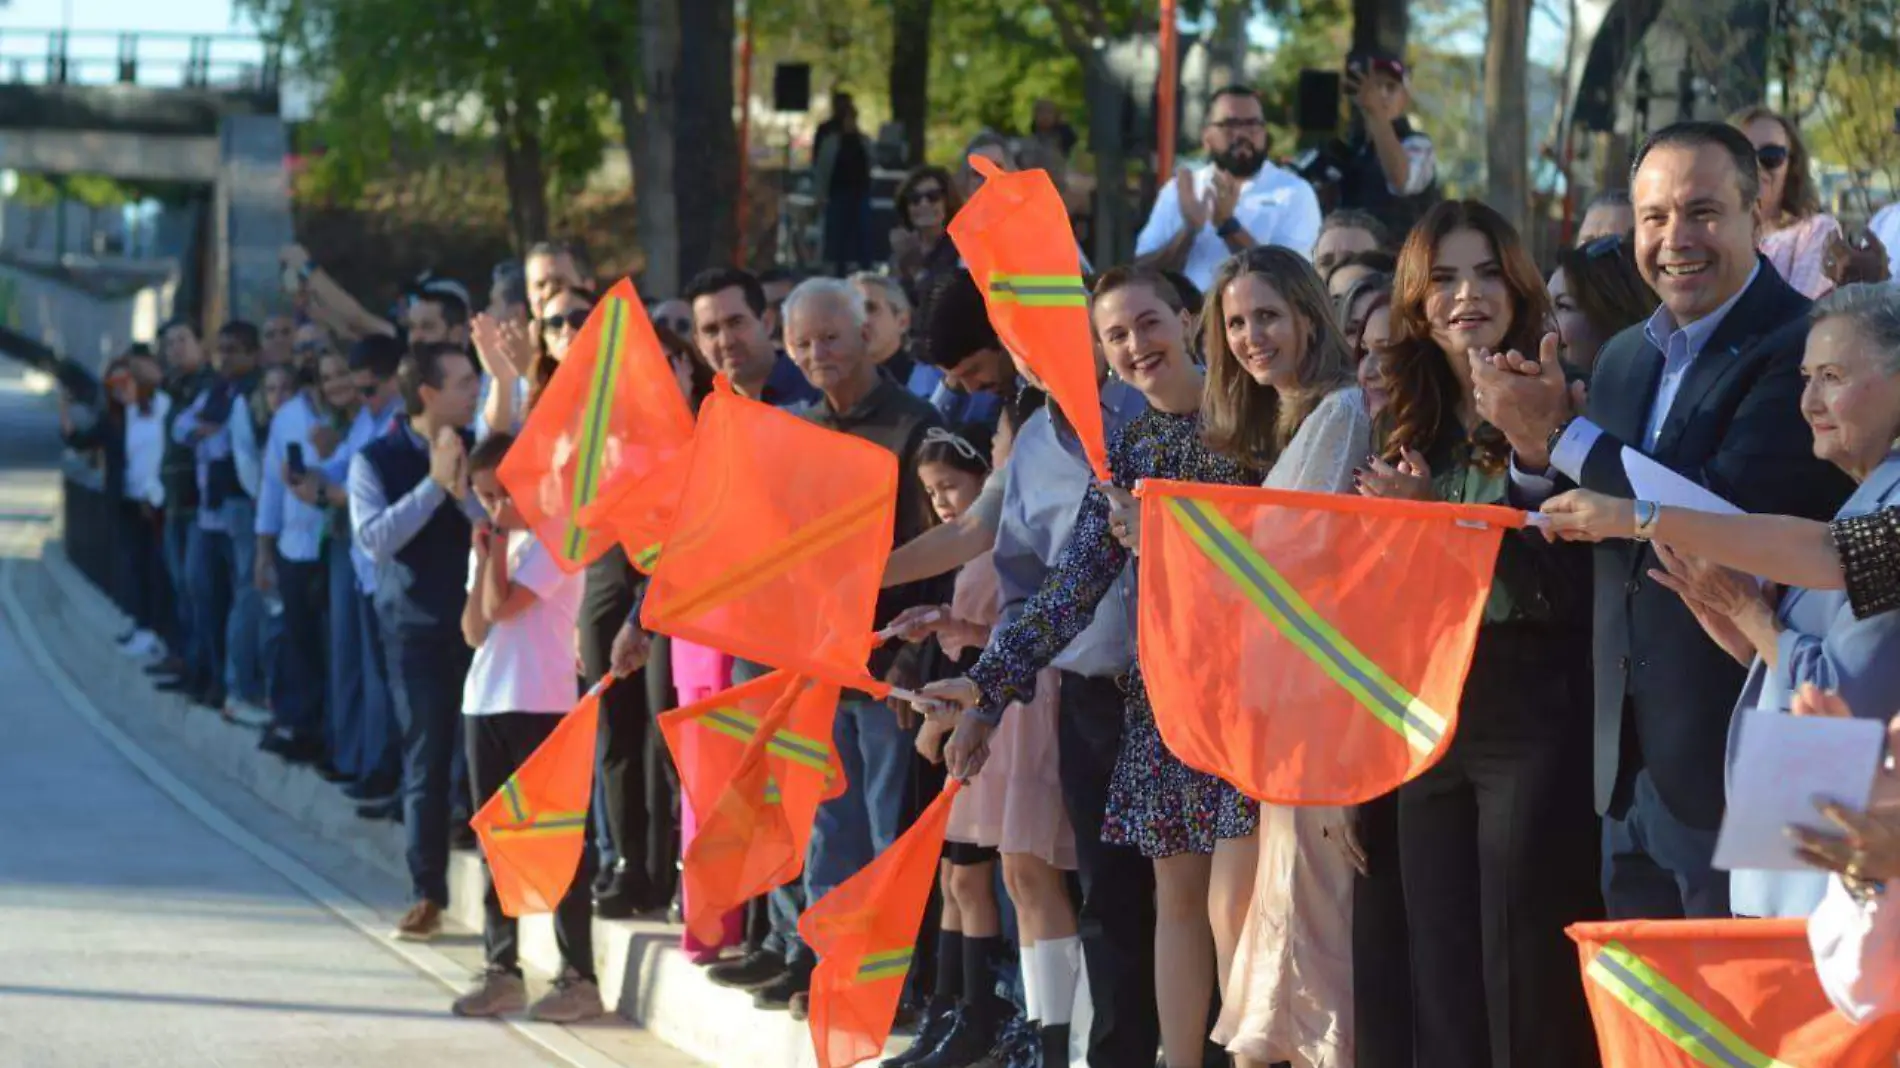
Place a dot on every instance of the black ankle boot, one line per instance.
(939, 1014)
(965, 1043)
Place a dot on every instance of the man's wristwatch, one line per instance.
(1227, 229)
(1647, 512)
(1557, 435)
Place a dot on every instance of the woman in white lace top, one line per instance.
(1288, 991)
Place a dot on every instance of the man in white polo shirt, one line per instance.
(1233, 202)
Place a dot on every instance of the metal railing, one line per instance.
(155, 60)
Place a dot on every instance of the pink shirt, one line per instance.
(1799, 251)
(700, 668)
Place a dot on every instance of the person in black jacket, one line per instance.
(1709, 387)
(1497, 841)
(187, 375)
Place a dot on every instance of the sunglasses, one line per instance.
(1771, 157)
(924, 196)
(1603, 246)
(682, 327)
(573, 320)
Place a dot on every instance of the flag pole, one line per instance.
(745, 135)
(1169, 83)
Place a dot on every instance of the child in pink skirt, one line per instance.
(1013, 808)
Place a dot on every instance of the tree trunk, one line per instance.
(910, 73)
(651, 147)
(1507, 139)
(524, 175)
(1230, 43)
(1380, 26)
(706, 168)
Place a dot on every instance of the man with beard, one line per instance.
(1235, 201)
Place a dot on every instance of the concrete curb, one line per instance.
(643, 973)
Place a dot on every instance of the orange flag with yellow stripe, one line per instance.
(864, 932)
(611, 416)
(1719, 994)
(755, 762)
(777, 549)
(1015, 235)
(1310, 648)
(535, 827)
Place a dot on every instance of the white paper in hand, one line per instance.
(1785, 762)
(1651, 481)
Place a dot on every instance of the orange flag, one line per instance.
(1310, 648)
(1015, 235)
(778, 547)
(755, 761)
(612, 414)
(534, 829)
(863, 932)
(1740, 993)
(637, 512)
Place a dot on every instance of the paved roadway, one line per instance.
(131, 931)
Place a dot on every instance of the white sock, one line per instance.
(1032, 1001)
(1058, 964)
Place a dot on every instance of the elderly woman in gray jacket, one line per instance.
(1802, 635)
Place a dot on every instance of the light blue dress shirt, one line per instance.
(336, 472)
(1045, 480)
(298, 527)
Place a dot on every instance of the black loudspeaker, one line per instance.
(791, 87)
(1319, 101)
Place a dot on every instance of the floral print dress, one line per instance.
(1155, 803)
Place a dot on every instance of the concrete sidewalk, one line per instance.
(642, 972)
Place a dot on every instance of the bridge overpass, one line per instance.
(200, 112)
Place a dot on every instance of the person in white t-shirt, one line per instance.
(520, 619)
(1235, 201)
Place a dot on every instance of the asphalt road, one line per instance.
(136, 927)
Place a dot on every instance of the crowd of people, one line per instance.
(313, 524)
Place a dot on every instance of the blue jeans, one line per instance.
(1655, 867)
(861, 823)
(343, 713)
(379, 756)
(179, 523)
(427, 669)
(296, 684)
(247, 628)
(208, 564)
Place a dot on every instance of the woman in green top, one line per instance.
(1498, 842)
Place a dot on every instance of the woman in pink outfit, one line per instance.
(1794, 230)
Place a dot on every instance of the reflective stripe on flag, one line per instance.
(890, 964)
(775, 560)
(541, 825)
(1673, 1013)
(1039, 290)
(595, 420)
(740, 724)
(1230, 551)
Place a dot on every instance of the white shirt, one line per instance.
(1857, 951)
(1277, 207)
(1885, 225)
(145, 451)
(527, 662)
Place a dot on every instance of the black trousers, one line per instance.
(1117, 919)
(1498, 844)
(1381, 955)
(497, 745)
(639, 808)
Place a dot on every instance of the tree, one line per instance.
(910, 72)
(405, 72)
(706, 167)
(650, 144)
(1507, 125)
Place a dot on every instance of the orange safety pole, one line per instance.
(1165, 92)
(745, 135)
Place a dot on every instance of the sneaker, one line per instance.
(495, 992)
(571, 1000)
(754, 970)
(142, 645)
(421, 923)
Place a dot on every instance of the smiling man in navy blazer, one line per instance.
(1710, 387)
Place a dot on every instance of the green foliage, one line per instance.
(989, 64)
(398, 73)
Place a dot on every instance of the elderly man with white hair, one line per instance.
(829, 336)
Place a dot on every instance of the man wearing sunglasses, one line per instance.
(1390, 168)
(1233, 202)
